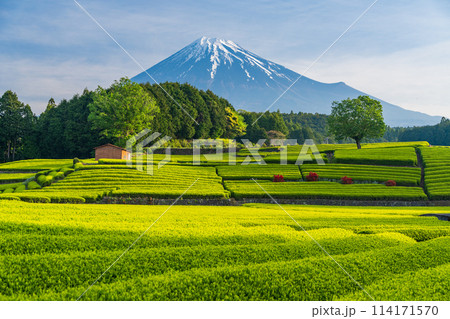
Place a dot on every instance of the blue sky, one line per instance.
(399, 51)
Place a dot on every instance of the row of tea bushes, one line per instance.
(322, 190)
(437, 171)
(406, 176)
(394, 156)
(251, 252)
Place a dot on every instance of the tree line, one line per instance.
(74, 127)
(438, 134)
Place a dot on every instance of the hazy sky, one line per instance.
(399, 51)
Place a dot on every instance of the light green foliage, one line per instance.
(406, 176)
(255, 252)
(52, 173)
(33, 185)
(289, 172)
(236, 125)
(5, 186)
(35, 164)
(20, 188)
(45, 180)
(122, 111)
(59, 175)
(357, 118)
(325, 190)
(8, 197)
(396, 156)
(295, 154)
(414, 285)
(205, 159)
(66, 171)
(14, 177)
(96, 181)
(333, 147)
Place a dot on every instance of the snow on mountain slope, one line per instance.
(253, 83)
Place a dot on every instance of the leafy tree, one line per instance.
(273, 122)
(357, 118)
(51, 104)
(236, 125)
(275, 135)
(16, 120)
(63, 130)
(122, 111)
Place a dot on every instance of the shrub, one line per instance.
(8, 190)
(312, 177)
(278, 178)
(34, 198)
(390, 183)
(67, 199)
(67, 170)
(59, 175)
(346, 180)
(41, 179)
(19, 189)
(6, 186)
(42, 173)
(33, 185)
(9, 198)
(52, 173)
(45, 180)
(76, 161)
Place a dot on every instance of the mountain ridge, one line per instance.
(253, 83)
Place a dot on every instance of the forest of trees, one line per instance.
(74, 127)
(435, 134)
(71, 129)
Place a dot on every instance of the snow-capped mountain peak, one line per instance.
(252, 83)
(223, 53)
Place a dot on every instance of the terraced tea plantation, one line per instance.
(93, 182)
(323, 190)
(35, 165)
(55, 242)
(437, 171)
(253, 252)
(289, 172)
(407, 176)
(395, 156)
(368, 169)
(14, 177)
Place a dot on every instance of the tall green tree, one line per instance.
(63, 130)
(122, 110)
(357, 118)
(16, 119)
(236, 125)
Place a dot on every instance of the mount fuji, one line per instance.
(253, 83)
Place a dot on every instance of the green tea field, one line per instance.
(64, 222)
(413, 172)
(252, 252)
